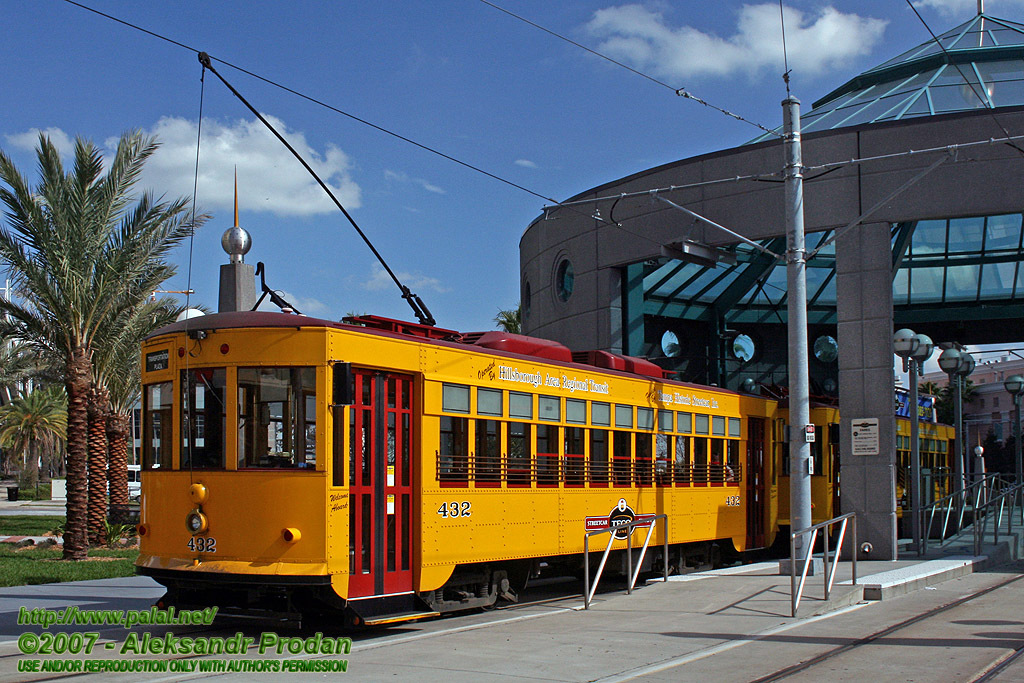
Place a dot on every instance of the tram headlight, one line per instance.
(196, 522)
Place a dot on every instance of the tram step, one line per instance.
(397, 618)
(390, 609)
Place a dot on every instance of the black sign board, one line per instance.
(158, 360)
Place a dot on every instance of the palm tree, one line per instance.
(32, 422)
(82, 255)
(510, 320)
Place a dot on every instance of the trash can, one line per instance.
(12, 493)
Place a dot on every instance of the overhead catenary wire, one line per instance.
(320, 103)
(682, 92)
(417, 305)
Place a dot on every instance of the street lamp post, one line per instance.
(957, 364)
(1015, 386)
(914, 349)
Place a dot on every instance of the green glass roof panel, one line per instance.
(997, 280)
(962, 283)
(983, 66)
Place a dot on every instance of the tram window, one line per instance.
(816, 457)
(622, 458)
(662, 450)
(684, 422)
(734, 427)
(575, 411)
(718, 425)
(157, 413)
(701, 424)
(548, 470)
(624, 416)
(642, 448)
(453, 449)
(519, 472)
(488, 451)
(600, 414)
(338, 466)
(665, 419)
(645, 418)
(488, 402)
(732, 461)
(716, 469)
(520, 405)
(683, 475)
(277, 417)
(549, 408)
(700, 461)
(575, 463)
(598, 456)
(203, 418)
(455, 398)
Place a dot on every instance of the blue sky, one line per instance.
(455, 75)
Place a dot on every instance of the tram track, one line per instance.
(987, 674)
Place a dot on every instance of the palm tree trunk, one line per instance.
(97, 415)
(117, 466)
(77, 373)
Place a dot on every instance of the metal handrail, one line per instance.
(980, 491)
(588, 593)
(796, 592)
(982, 513)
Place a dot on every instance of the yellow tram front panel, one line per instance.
(825, 458)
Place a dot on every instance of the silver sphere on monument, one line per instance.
(236, 242)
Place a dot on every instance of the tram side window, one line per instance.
(716, 471)
(662, 458)
(622, 462)
(816, 450)
(203, 418)
(700, 460)
(157, 411)
(453, 454)
(277, 417)
(519, 454)
(732, 461)
(644, 472)
(488, 451)
(683, 475)
(599, 456)
(548, 470)
(575, 463)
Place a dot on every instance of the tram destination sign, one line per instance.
(157, 360)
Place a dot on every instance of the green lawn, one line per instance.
(28, 525)
(33, 565)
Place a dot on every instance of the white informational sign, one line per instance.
(865, 436)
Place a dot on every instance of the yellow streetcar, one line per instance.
(385, 470)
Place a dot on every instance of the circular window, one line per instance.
(670, 344)
(743, 347)
(826, 349)
(564, 280)
(525, 300)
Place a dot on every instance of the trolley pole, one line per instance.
(796, 311)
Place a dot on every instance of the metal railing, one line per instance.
(796, 592)
(588, 591)
(993, 509)
(977, 494)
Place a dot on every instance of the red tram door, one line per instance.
(756, 499)
(380, 484)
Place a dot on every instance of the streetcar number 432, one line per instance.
(455, 509)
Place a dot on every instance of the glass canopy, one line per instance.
(945, 263)
(980, 65)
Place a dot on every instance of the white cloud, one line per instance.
(525, 163)
(404, 178)
(380, 280)
(269, 177)
(816, 42)
(30, 138)
(961, 7)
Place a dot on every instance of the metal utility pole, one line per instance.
(796, 312)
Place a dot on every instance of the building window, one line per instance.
(564, 278)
